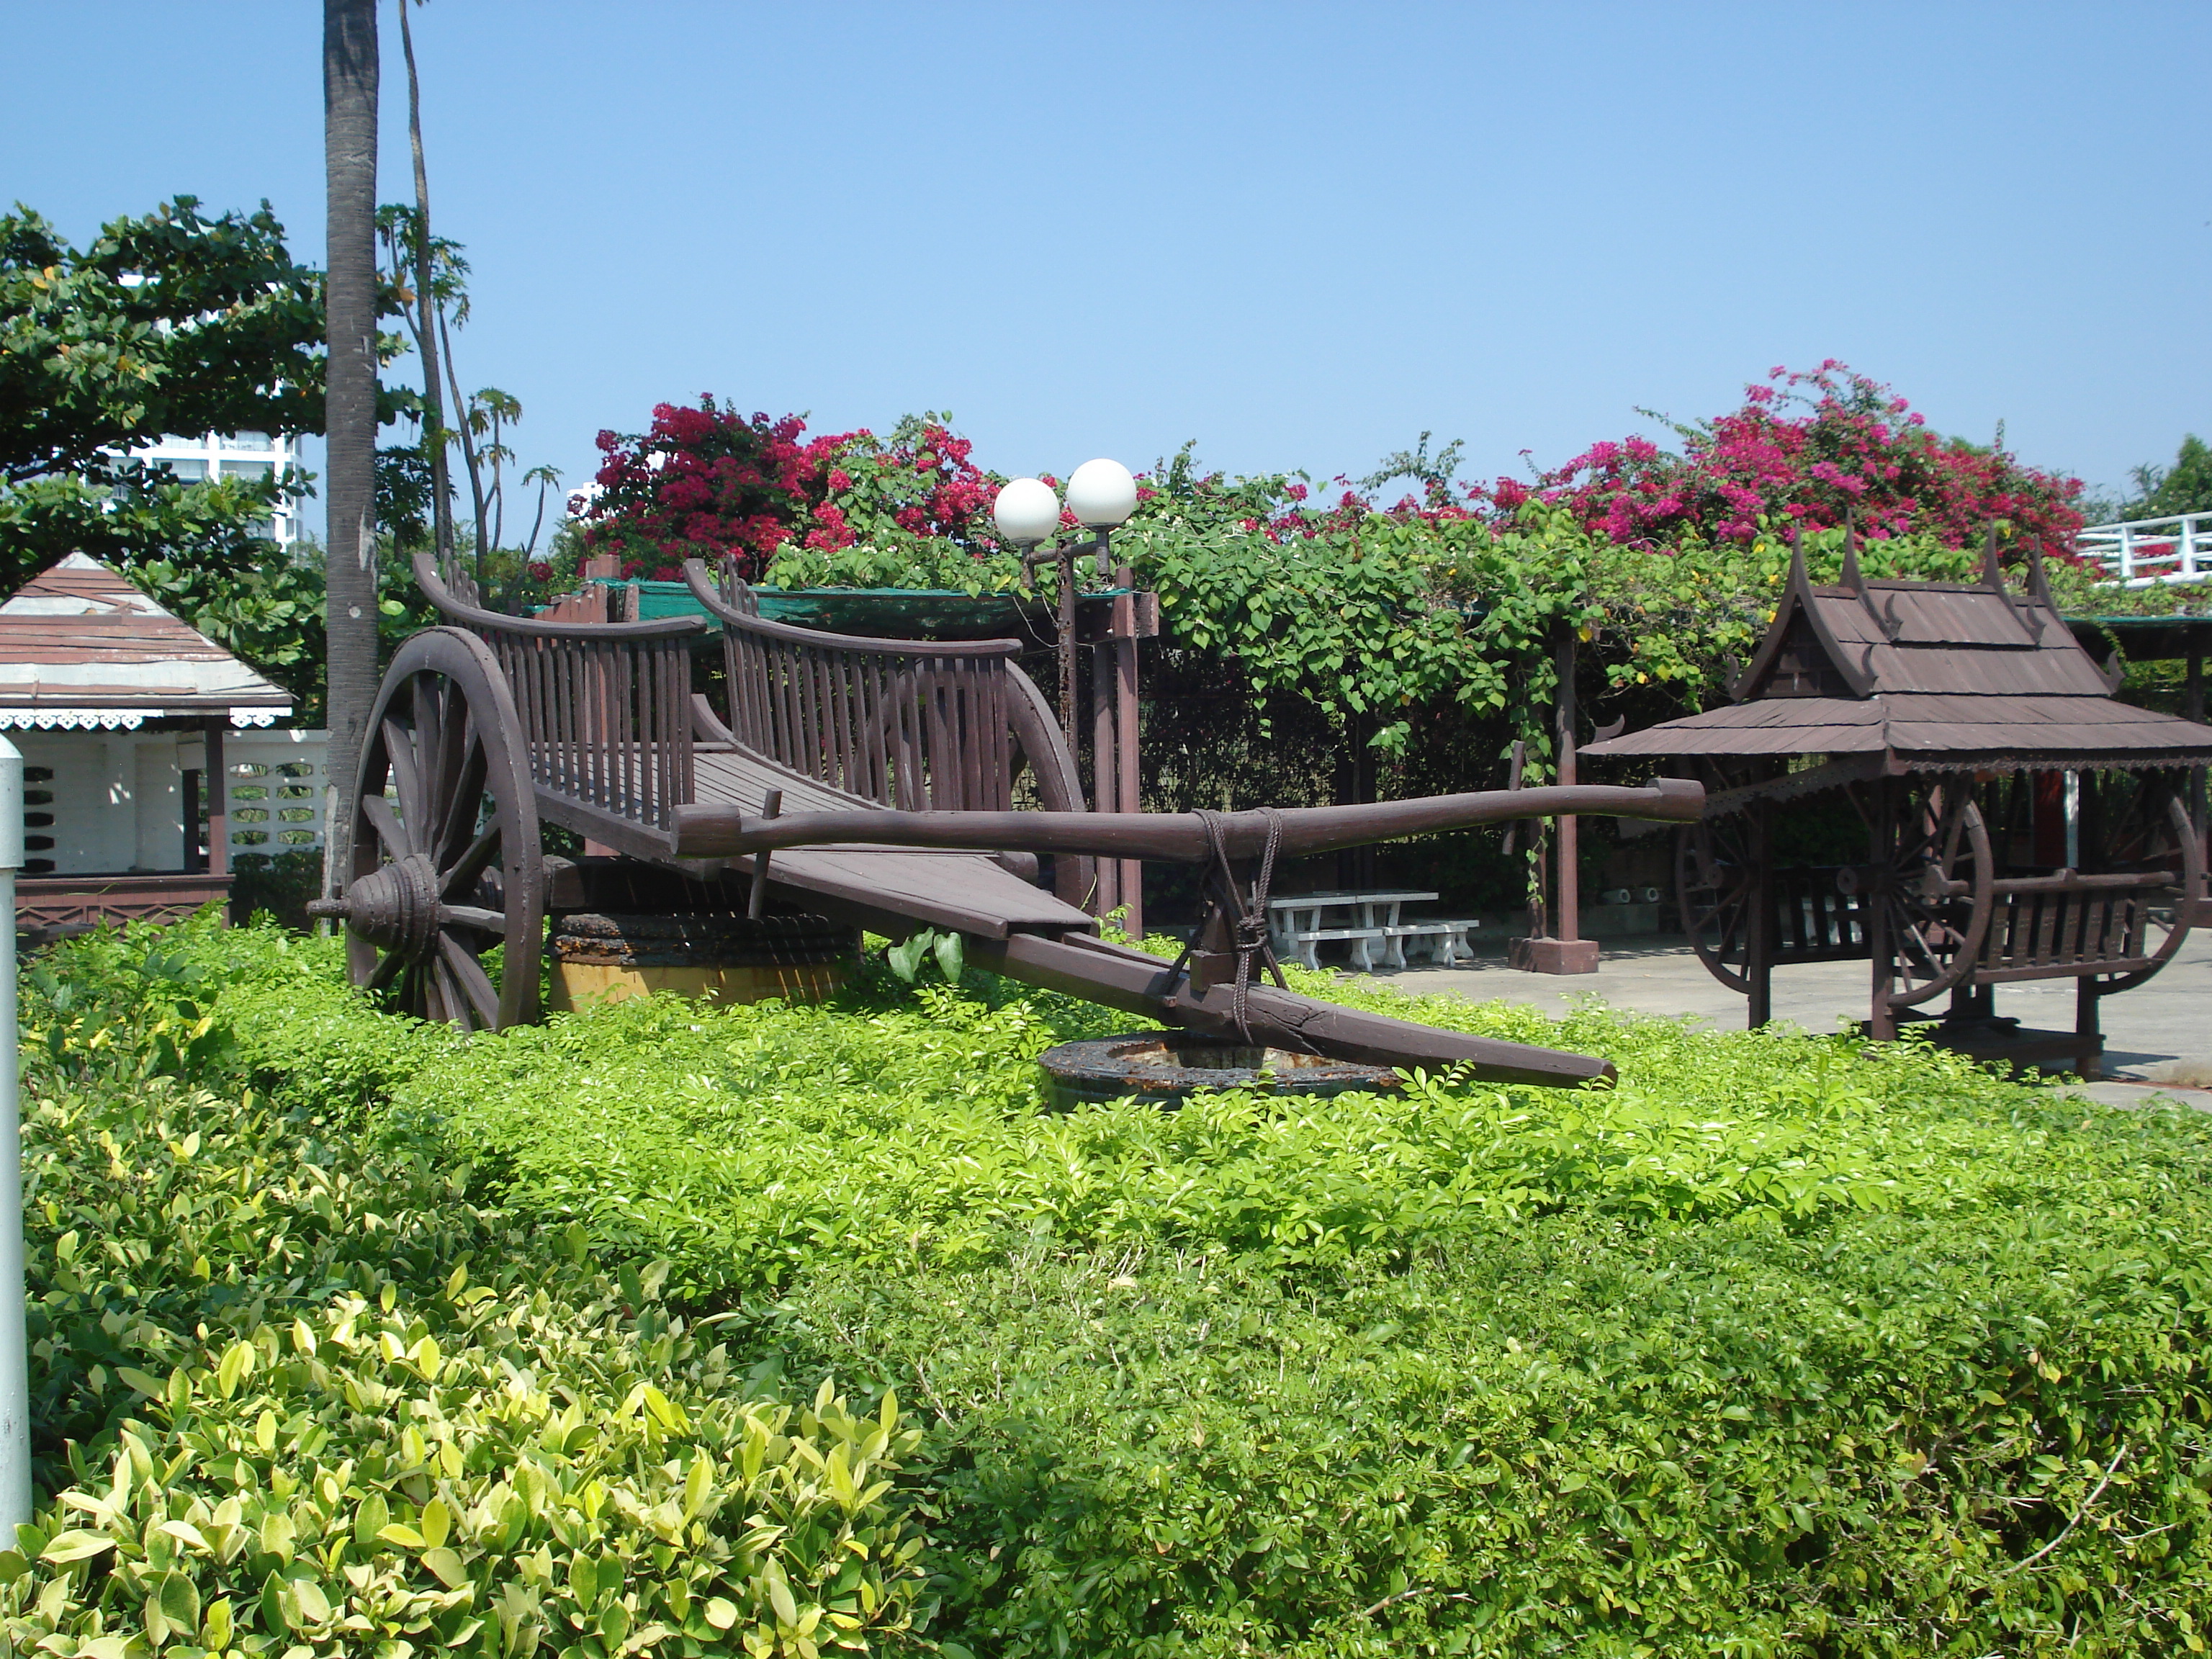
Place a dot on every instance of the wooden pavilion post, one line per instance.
(1759, 966)
(1882, 1019)
(2192, 707)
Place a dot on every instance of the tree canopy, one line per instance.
(174, 322)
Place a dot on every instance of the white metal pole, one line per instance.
(15, 1358)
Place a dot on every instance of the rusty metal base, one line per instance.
(1552, 956)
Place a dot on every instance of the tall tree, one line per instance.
(424, 321)
(350, 81)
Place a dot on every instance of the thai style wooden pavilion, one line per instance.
(2022, 823)
(122, 712)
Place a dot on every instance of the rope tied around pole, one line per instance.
(1248, 922)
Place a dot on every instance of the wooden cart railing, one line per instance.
(612, 726)
(606, 706)
(914, 725)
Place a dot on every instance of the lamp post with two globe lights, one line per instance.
(1101, 495)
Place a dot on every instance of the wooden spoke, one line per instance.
(388, 969)
(399, 749)
(429, 718)
(444, 1002)
(464, 806)
(464, 968)
(390, 829)
(470, 915)
(471, 864)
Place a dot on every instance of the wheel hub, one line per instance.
(395, 908)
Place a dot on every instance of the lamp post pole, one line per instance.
(1101, 495)
(14, 1356)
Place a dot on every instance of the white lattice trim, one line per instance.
(73, 719)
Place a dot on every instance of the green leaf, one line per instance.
(180, 1600)
(447, 1565)
(76, 1546)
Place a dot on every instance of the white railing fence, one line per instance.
(2140, 551)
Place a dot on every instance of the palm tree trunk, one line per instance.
(426, 334)
(350, 69)
(467, 435)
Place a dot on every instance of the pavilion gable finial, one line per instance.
(1851, 577)
(1992, 570)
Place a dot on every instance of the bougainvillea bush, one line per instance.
(1805, 449)
(706, 481)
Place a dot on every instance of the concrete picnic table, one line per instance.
(1299, 922)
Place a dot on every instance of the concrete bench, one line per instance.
(1447, 941)
(1304, 941)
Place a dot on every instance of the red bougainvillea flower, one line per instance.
(1805, 450)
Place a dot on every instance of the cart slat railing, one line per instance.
(913, 725)
(606, 706)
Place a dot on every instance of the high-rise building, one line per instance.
(232, 455)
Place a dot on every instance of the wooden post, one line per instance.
(1105, 775)
(756, 901)
(1759, 966)
(1882, 1019)
(1064, 558)
(1570, 887)
(1565, 950)
(2192, 707)
(1125, 746)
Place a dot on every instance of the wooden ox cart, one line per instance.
(872, 780)
(2021, 823)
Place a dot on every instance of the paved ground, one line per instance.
(2158, 1038)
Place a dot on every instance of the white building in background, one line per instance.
(232, 455)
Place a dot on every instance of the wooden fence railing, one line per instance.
(606, 706)
(910, 723)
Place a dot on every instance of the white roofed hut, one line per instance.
(123, 713)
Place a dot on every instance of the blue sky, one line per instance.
(1300, 234)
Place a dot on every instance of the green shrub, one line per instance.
(279, 1417)
(1783, 1346)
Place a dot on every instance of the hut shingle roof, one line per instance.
(79, 636)
(1930, 675)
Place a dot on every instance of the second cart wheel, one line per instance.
(1936, 893)
(1716, 881)
(446, 913)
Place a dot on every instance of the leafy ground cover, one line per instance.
(1778, 1348)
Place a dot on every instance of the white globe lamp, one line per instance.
(1026, 512)
(1102, 494)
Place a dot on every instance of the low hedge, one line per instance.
(296, 1394)
(1784, 1346)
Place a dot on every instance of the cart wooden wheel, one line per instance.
(1936, 888)
(2161, 929)
(446, 913)
(1715, 882)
